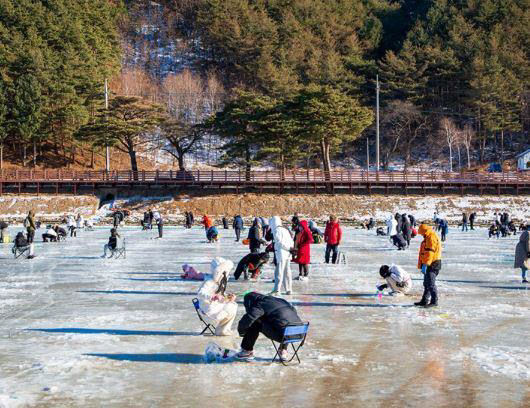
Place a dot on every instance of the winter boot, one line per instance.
(244, 355)
(432, 304)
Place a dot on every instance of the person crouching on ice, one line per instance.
(268, 315)
(397, 279)
(251, 263)
(113, 242)
(219, 307)
(212, 234)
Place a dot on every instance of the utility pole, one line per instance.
(377, 124)
(367, 154)
(107, 150)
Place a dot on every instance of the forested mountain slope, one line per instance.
(281, 83)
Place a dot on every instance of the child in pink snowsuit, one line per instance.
(190, 273)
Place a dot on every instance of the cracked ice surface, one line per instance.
(81, 331)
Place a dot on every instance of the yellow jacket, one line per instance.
(430, 248)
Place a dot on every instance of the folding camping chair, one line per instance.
(119, 251)
(19, 251)
(209, 326)
(293, 333)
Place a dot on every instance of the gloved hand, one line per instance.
(400, 284)
(293, 251)
(379, 288)
(424, 269)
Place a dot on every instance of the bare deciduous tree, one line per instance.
(468, 135)
(450, 132)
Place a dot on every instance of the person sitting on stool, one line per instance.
(268, 315)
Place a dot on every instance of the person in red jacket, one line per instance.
(207, 222)
(332, 236)
(303, 242)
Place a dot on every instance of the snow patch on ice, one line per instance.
(513, 362)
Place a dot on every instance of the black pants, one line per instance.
(30, 235)
(250, 337)
(46, 237)
(303, 270)
(332, 248)
(429, 283)
(238, 233)
(444, 235)
(471, 222)
(73, 232)
(160, 231)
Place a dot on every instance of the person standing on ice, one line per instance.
(333, 237)
(302, 245)
(472, 217)
(225, 222)
(397, 279)
(444, 229)
(283, 244)
(70, 225)
(219, 307)
(464, 222)
(522, 253)
(267, 315)
(238, 226)
(430, 263)
(406, 229)
(255, 237)
(391, 227)
(160, 225)
(29, 223)
(206, 222)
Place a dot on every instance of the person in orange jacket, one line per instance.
(430, 263)
(207, 222)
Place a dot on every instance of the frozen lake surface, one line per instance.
(78, 330)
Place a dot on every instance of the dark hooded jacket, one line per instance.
(274, 313)
(251, 261)
(254, 235)
(21, 241)
(405, 227)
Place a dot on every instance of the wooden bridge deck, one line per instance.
(370, 181)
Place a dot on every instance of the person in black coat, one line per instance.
(472, 217)
(371, 224)
(464, 222)
(160, 226)
(412, 220)
(251, 263)
(22, 243)
(238, 226)
(268, 315)
(254, 236)
(399, 221)
(406, 229)
(399, 241)
(225, 223)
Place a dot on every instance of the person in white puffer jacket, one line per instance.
(283, 244)
(391, 226)
(217, 306)
(397, 279)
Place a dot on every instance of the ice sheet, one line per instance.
(78, 330)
